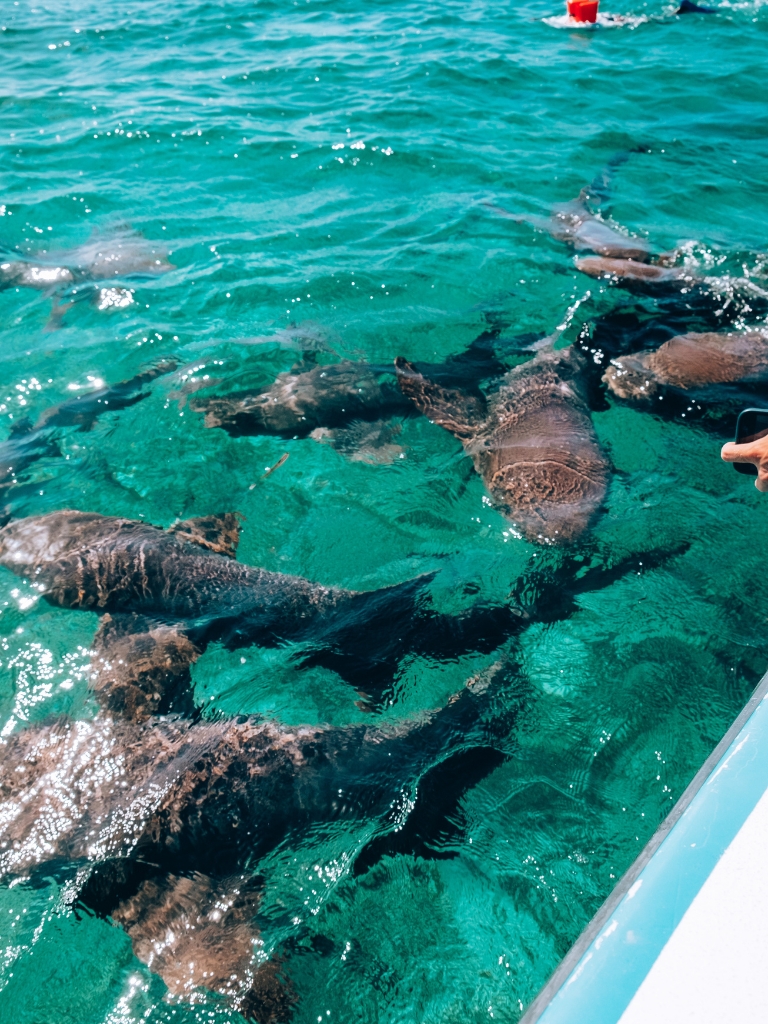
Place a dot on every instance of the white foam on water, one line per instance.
(603, 21)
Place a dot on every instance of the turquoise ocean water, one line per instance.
(320, 171)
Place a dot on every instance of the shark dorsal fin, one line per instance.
(219, 533)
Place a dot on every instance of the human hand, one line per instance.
(755, 452)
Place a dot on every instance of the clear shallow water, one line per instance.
(208, 130)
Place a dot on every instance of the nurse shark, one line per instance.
(532, 441)
(575, 222)
(87, 272)
(159, 820)
(164, 595)
(348, 404)
(694, 369)
(161, 825)
(101, 259)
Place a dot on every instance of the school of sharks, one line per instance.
(158, 813)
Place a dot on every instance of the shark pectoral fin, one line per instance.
(21, 428)
(219, 533)
(363, 440)
(308, 361)
(140, 667)
(456, 411)
(198, 932)
(59, 309)
(88, 423)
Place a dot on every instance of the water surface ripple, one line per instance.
(280, 182)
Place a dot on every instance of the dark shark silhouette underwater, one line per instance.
(165, 595)
(124, 255)
(160, 811)
(86, 273)
(158, 820)
(531, 440)
(29, 442)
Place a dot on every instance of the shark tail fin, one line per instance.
(688, 7)
(452, 748)
(550, 587)
(459, 413)
(434, 830)
(599, 189)
(219, 533)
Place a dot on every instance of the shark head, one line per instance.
(27, 545)
(631, 379)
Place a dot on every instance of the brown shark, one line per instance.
(164, 595)
(576, 224)
(631, 273)
(163, 822)
(346, 404)
(326, 396)
(85, 272)
(532, 442)
(160, 822)
(697, 364)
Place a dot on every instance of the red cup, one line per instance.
(583, 10)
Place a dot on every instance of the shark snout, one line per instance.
(630, 378)
(22, 544)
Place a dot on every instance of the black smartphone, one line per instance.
(751, 425)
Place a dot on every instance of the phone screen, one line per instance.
(751, 425)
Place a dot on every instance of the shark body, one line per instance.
(532, 442)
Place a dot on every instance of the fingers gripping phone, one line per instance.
(751, 425)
